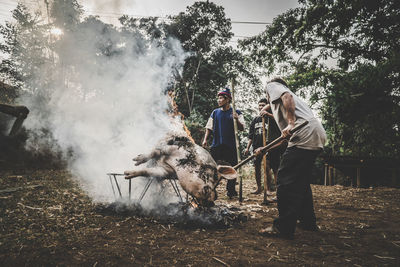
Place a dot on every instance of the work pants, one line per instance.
(294, 195)
(228, 155)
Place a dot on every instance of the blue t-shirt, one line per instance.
(223, 131)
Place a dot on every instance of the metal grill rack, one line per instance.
(116, 185)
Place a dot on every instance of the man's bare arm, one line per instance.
(289, 106)
(207, 133)
(239, 124)
(266, 111)
(248, 147)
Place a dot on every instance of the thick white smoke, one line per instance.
(106, 109)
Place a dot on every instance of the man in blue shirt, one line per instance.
(220, 124)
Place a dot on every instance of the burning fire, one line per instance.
(194, 204)
(174, 112)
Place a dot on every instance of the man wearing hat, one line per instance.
(220, 124)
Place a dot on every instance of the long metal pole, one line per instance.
(235, 127)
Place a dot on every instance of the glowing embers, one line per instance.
(180, 214)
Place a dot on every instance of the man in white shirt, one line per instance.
(294, 193)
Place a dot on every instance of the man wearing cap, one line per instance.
(295, 201)
(220, 124)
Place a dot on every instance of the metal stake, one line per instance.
(119, 190)
(130, 187)
(112, 186)
(146, 187)
(176, 188)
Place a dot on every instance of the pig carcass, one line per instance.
(176, 157)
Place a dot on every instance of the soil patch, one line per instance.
(45, 219)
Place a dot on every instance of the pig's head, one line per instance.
(208, 194)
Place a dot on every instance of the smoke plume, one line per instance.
(101, 100)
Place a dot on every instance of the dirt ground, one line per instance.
(46, 220)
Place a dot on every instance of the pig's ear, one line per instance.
(227, 172)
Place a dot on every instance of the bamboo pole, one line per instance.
(266, 188)
(270, 145)
(235, 127)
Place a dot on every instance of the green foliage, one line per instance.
(195, 124)
(343, 56)
(66, 13)
(26, 43)
(203, 30)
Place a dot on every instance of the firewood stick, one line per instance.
(220, 261)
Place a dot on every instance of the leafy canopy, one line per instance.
(344, 56)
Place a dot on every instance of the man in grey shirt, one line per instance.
(294, 192)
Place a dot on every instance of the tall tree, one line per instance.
(204, 32)
(343, 55)
(25, 44)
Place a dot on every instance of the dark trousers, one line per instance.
(295, 201)
(273, 159)
(228, 155)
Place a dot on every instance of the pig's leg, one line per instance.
(156, 154)
(157, 171)
(143, 158)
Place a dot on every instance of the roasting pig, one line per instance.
(177, 157)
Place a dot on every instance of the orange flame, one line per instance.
(175, 112)
(194, 204)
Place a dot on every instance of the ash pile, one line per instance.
(181, 214)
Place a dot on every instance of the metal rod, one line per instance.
(176, 189)
(130, 187)
(173, 186)
(146, 187)
(112, 186)
(116, 182)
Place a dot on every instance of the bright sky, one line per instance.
(236, 10)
